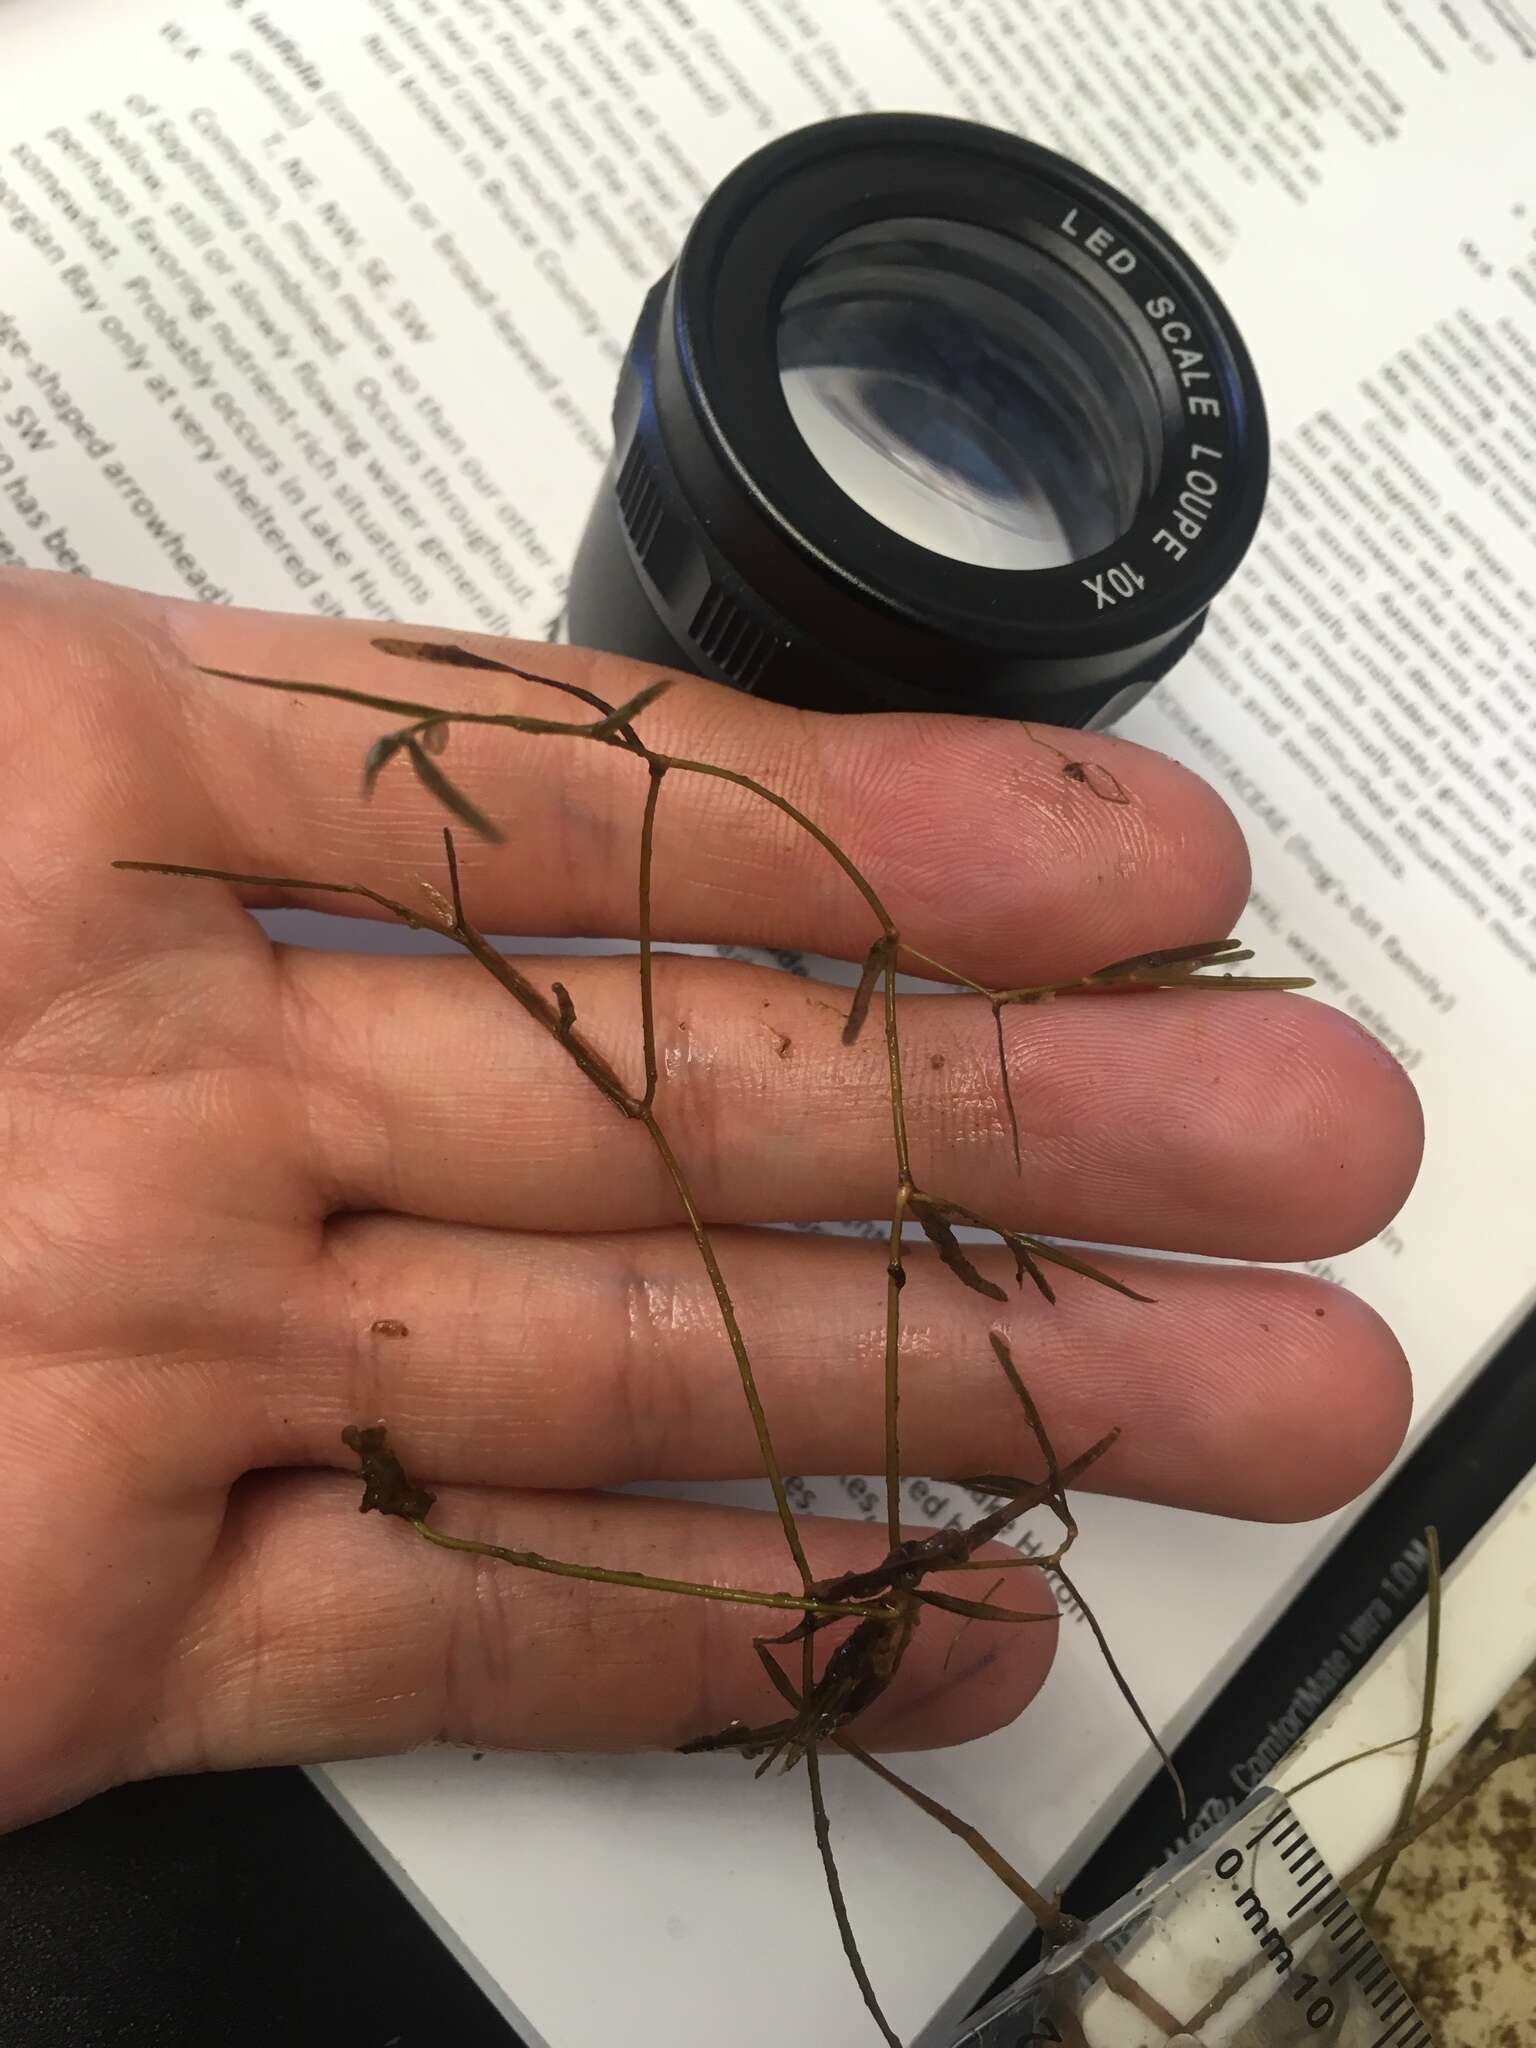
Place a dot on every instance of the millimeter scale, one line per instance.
(1244, 1937)
(1244, 1941)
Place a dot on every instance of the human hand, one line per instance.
(231, 1171)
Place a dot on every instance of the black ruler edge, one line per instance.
(1458, 1476)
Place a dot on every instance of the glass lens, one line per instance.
(970, 392)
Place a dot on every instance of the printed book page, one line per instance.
(320, 308)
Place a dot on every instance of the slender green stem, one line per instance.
(824, 1831)
(893, 1060)
(1343, 1763)
(1134, 978)
(1047, 1561)
(1124, 1688)
(944, 972)
(895, 1271)
(1047, 1915)
(895, 1280)
(1509, 1747)
(603, 1077)
(451, 926)
(839, 1903)
(647, 996)
(596, 729)
(1036, 1902)
(1041, 1435)
(1171, 969)
(727, 1309)
(694, 1589)
(452, 854)
(1517, 1744)
(982, 1610)
(1008, 1102)
(608, 727)
(406, 915)
(1426, 1716)
(554, 1018)
(823, 839)
(597, 1069)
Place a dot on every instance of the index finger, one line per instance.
(1010, 851)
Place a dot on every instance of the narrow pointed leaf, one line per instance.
(979, 1610)
(1123, 1686)
(383, 750)
(874, 961)
(450, 656)
(442, 652)
(451, 798)
(1021, 1490)
(1202, 953)
(1002, 1067)
(1033, 1417)
(1003, 1484)
(823, 1828)
(1074, 1264)
(952, 1252)
(1026, 1267)
(1280, 984)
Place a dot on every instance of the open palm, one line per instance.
(251, 1194)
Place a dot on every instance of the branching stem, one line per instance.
(885, 1603)
(649, 1582)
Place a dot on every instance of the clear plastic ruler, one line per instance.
(1243, 1941)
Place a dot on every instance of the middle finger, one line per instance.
(544, 1361)
(1242, 1125)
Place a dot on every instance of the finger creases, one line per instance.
(327, 1634)
(549, 1361)
(1238, 1124)
(1011, 852)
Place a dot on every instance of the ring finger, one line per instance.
(548, 1361)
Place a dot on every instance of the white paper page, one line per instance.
(321, 307)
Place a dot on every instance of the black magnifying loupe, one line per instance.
(923, 417)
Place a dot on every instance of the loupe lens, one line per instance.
(923, 417)
(969, 393)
